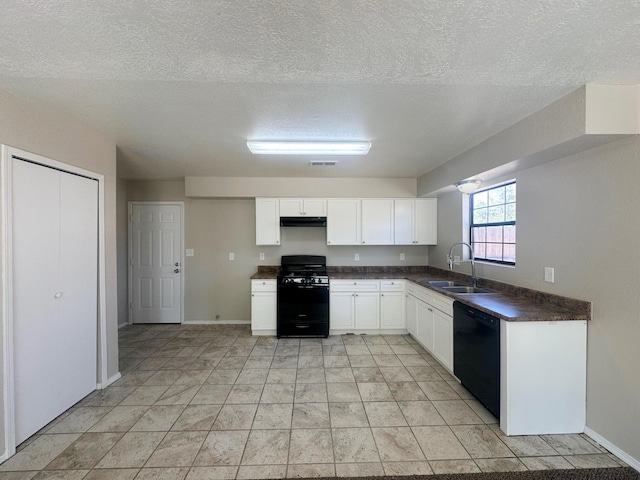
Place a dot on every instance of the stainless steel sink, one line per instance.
(466, 289)
(446, 283)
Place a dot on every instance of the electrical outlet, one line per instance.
(261, 256)
(456, 259)
(549, 274)
(190, 252)
(232, 256)
(356, 257)
(402, 256)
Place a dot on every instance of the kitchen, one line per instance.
(573, 150)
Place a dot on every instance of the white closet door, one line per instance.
(55, 293)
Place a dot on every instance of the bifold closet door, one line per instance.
(55, 285)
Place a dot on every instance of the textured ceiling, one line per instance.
(181, 85)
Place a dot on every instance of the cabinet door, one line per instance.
(263, 311)
(404, 221)
(267, 221)
(426, 221)
(343, 221)
(315, 207)
(367, 310)
(392, 310)
(443, 338)
(377, 222)
(412, 320)
(291, 207)
(341, 310)
(424, 321)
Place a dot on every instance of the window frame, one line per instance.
(473, 225)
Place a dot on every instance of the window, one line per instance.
(493, 224)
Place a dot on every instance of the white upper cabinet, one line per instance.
(354, 221)
(426, 221)
(343, 221)
(415, 221)
(301, 207)
(267, 221)
(377, 221)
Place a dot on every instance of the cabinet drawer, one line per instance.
(442, 303)
(420, 293)
(263, 285)
(392, 285)
(354, 285)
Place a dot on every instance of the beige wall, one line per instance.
(122, 216)
(42, 132)
(214, 285)
(580, 215)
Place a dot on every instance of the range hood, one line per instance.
(303, 221)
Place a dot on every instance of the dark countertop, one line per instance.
(510, 303)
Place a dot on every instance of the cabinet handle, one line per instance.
(382, 294)
(264, 283)
(253, 295)
(430, 309)
(363, 242)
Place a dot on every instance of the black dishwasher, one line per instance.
(476, 354)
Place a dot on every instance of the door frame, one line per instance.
(8, 383)
(130, 256)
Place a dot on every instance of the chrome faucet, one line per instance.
(474, 279)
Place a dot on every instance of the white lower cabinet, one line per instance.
(354, 305)
(392, 310)
(367, 311)
(392, 305)
(430, 322)
(443, 338)
(411, 315)
(263, 307)
(341, 310)
(424, 328)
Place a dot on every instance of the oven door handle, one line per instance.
(302, 326)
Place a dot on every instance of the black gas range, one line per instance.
(303, 296)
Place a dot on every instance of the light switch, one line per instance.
(232, 256)
(261, 256)
(549, 274)
(356, 257)
(402, 256)
(190, 252)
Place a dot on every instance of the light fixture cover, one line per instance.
(308, 148)
(468, 186)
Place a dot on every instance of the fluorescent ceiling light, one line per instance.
(309, 148)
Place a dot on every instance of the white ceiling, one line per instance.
(181, 85)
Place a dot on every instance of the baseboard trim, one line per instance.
(4, 457)
(621, 454)
(122, 325)
(216, 322)
(109, 381)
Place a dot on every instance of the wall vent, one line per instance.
(323, 163)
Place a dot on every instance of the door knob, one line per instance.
(176, 270)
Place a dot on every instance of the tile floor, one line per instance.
(213, 402)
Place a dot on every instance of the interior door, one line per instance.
(55, 285)
(156, 279)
